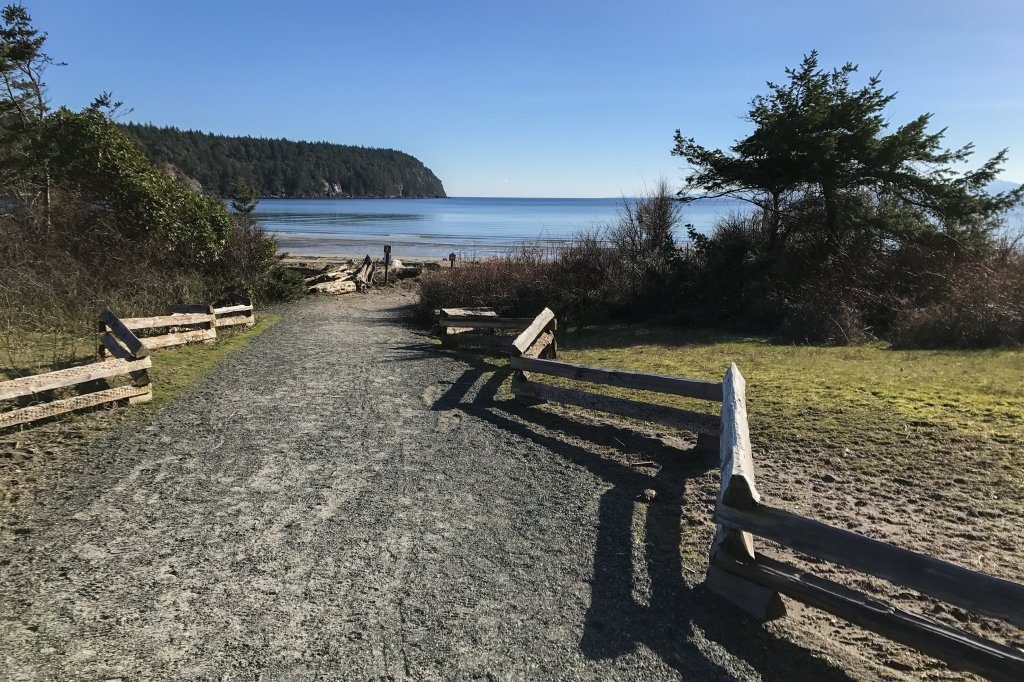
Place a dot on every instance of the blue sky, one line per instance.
(530, 98)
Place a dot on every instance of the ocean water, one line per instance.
(468, 226)
(472, 227)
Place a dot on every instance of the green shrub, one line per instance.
(282, 285)
(90, 157)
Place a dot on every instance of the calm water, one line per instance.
(470, 226)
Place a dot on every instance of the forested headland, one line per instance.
(285, 168)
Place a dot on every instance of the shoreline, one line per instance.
(402, 247)
(323, 260)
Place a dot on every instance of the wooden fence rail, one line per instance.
(462, 327)
(534, 351)
(659, 383)
(129, 357)
(538, 339)
(234, 314)
(190, 323)
(183, 325)
(754, 582)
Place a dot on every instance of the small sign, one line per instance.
(387, 254)
(451, 257)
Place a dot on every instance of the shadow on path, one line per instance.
(674, 617)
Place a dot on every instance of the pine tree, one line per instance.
(818, 136)
(23, 108)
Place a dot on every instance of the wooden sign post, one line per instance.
(387, 262)
(451, 257)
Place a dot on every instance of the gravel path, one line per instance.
(340, 499)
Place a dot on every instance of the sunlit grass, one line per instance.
(795, 389)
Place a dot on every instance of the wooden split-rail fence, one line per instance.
(122, 352)
(534, 351)
(236, 313)
(754, 581)
(750, 580)
(128, 356)
(481, 328)
(186, 324)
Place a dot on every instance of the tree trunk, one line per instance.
(46, 199)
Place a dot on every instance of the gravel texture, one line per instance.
(341, 499)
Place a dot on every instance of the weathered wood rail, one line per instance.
(185, 324)
(239, 312)
(129, 356)
(754, 582)
(481, 328)
(533, 352)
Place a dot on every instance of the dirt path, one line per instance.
(342, 500)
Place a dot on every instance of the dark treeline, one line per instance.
(283, 168)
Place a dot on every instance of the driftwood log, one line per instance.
(341, 286)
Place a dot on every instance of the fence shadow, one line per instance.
(676, 616)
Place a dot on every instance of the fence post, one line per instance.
(738, 490)
(120, 342)
(537, 340)
(211, 333)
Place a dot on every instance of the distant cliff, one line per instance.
(283, 168)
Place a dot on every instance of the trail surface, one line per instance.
(340, 499)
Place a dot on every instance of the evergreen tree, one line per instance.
(286, 168)
(818, 136)
(243, 198)
(23, 107)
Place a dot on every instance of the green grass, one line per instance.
(883, 407)
(25, 353)
(978, 393)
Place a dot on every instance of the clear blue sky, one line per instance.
(529, 98)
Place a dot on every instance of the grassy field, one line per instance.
(878, 405)
(790, 388)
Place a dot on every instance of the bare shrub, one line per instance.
(983, 307)
(519, 284)
(587, 272)
(622, 270)
(643, 241)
